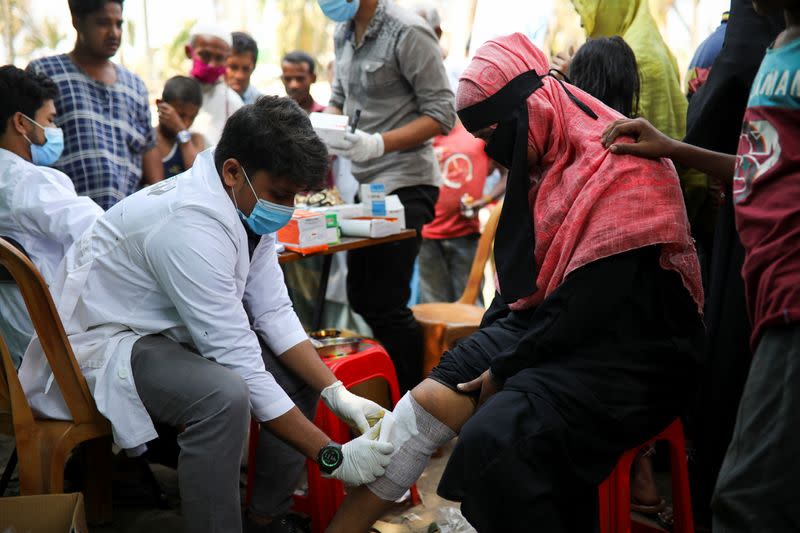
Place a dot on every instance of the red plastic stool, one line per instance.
(615, 492)
(324, 496)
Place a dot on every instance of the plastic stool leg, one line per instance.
(621, 499)
(681, 493)
(604, 505)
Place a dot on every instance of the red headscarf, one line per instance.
(587, 203)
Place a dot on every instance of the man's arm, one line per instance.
(152, 168)
(304, 361)
(299, 432)
(336, 101)
(420, 62)
(651, 143)
(267, 302)
(44, 207)
(411, 135)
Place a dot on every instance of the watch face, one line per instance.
(330, 457)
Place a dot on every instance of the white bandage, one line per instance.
(415, 434)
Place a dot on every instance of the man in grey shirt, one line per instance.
(389, 66)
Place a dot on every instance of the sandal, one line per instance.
(665, 518)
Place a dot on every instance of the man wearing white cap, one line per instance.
(209, 47)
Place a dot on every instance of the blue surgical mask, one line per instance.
(48, 153)
(339, 10)
(266, 217)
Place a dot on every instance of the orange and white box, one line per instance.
(306, 233)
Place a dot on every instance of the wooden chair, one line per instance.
(43, 446)
(445, 323)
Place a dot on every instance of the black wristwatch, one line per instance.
(330, 458)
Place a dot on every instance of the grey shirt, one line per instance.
(394, 76)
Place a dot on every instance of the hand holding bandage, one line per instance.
(364, 459)
(358, 146)
(355, 411)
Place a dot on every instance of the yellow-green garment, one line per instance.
(661, 100)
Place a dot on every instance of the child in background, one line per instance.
(606, 68)
(177, 109)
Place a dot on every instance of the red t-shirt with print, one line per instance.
(464, 167)
(766, 190)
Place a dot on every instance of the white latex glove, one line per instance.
(359, 146)
(364, 458)
(353, 410)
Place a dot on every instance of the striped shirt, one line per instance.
(107, 129)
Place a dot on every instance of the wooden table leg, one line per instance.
(316, 321)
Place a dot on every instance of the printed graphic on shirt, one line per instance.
(775, 90)
(760, 149)
(456, 168)
(163, 187)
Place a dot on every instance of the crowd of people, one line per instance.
(647, 260)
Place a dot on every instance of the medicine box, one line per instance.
(306, 233)
(372, 227)
(373, 196)
(330, 128)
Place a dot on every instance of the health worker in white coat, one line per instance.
(39, 209)
(164, 307)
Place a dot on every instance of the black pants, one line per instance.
(755, 489)
(378, 287)
(603, 364)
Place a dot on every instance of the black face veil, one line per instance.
(515, 240)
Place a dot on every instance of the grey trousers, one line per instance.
(756, 486)
(180, 387)
(278, 465)
(444, 266)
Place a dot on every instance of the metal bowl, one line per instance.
(325, 334)
(337, 346)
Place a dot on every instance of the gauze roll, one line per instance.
(415, 435)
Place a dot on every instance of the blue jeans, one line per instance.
(444, 266)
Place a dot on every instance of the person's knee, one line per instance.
(415, 434)
(231, 399)
(446, 405)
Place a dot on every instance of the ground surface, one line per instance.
(135, 510)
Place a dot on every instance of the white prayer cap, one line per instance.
(211, 29)
(430, 14)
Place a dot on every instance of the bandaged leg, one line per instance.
(416, 434)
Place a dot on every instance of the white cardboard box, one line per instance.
(329, 127)
(372, 227)
(395, 209)
(342, 211)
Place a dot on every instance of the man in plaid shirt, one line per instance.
(103, 108)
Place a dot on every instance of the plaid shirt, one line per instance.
(107, 129)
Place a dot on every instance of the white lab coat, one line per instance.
(170, 259)
(41, 211)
